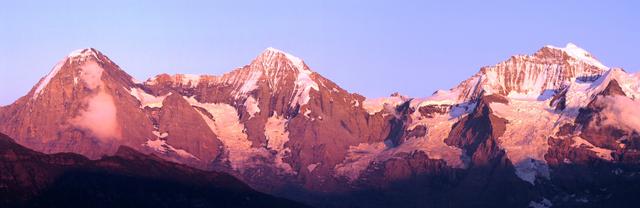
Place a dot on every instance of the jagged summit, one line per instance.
(579, 54)
(272, 49)
(82, 55)
(84, 65)
(271, 62)
(84, 52)
(529, 77)
(272, 57)
(571, 49)
(289, 56)
(76, 56)
(276, 124)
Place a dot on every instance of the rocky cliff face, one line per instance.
(81, 106)
(285, 129)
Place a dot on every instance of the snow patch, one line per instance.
(307, 113)
(360, 156)
(545, 203)
(147, 100)
(525, 136)
(275, 131)
(373, 106)
(531, 95)
(251, 83)
(580, 55)
(160, 135)
(226, 125)
(629, 83)
(304, 84)
(277, 136)
(441, 97)
(161, 146)
(582, 200)
(600, 152)
(251, 105)
(580, 93)
(438, 129)
(312, 167)
(358, 159)
(529, 168)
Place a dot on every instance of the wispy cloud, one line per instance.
(100, 115)
(621, 111)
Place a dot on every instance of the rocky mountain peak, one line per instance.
(274, 120)
(89, 55)
(613, 88)
(576, 53)
(84, 53)
(279, 71)
(534, 76)
(271, 56)
(276, 63)
(82, 67)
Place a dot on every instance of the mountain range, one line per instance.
(553, 129)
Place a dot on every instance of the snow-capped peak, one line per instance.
(84, 53)
(76, 56)
(579, 54)
(271, 53)
(275, 64)
(274, 50)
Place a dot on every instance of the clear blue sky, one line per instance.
(370, 47)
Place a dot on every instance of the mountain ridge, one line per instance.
(288, 131)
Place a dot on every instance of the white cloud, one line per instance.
(99, 117)
(621, 111)
(91, 73)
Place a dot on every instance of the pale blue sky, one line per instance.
(370, 47)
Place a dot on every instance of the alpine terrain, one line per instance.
(553, 129)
